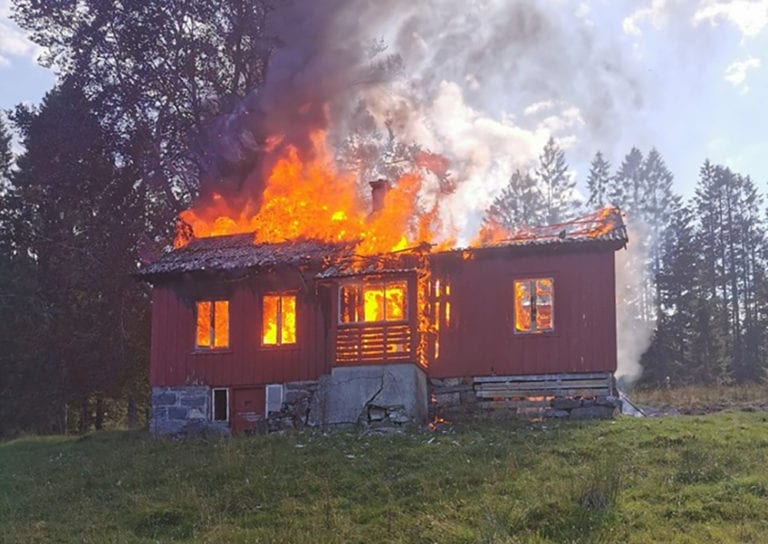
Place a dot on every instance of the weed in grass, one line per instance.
(697, 465)
(162, 523)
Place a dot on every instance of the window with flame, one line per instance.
(278, 320)
(373, 302)
(212, 324)
(441, 310)
(534, 305)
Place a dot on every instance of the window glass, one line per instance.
(221, 323)
(543, 304)
(534, 305)
(373, 302)
(220, 404)
(279, 320)
(204, 324)
(288, 329)
(212, 327)
(523, 306)
(269, 325)
(395, 301)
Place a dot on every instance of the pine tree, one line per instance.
(519, 204)
(557, 185)
(6, 154)
(625, 187)
(598, 181)
(80, 216)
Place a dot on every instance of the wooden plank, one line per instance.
(543, 385)
(539, 393)
(542, 377)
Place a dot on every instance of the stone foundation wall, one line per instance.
(295, 410)
(450, 397)
(183, 411)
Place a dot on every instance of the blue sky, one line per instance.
(700, 68)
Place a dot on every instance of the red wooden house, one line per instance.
(305, 332)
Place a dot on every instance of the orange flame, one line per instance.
(310, 199)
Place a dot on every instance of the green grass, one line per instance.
(676, 480)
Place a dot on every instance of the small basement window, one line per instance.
(220, 405)
(373, 302)
(534, 305)
(279, 320)
(212, 324)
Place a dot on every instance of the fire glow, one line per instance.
(311, 200)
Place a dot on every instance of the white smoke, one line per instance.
(635, 315)
(483, 83)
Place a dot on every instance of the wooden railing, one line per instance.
(373, 343)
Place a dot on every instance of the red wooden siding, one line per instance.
(175, 361)
(481, 340)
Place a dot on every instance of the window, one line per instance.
(220, 405)
(534, 305)
(373, 302)
(212, 324)
(441, 308)
(278, 320)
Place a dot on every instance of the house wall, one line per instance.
(481, 340)
(175, 361)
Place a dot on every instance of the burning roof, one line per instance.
(605, 225)
(239, 252)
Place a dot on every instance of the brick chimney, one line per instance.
(379, 190)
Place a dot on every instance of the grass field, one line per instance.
(676, 479)
(701, 399)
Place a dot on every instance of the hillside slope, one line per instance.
(676, 479)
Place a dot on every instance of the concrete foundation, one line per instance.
(372, 394)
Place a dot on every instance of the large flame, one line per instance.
(310, 199)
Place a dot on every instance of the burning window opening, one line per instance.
(212, 324)
(278, 320)
(373, 302)
(534, 305)
(441, 311)
(220, 404)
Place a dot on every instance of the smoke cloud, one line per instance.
(483, 83)
(635, 308)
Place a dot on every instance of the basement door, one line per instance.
(247, 409)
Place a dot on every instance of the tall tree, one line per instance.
(625, 187)
(157, 74)
(598, 181)
(6, 154)
(557, 185)
(81, 221)
(519, 204)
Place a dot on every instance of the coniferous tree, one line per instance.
(556, 184)
(598, 181)
(79, 216)
(6, 154)
(519, 204)
(625, 186)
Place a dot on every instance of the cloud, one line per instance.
(749, 16)
(13, 41)
(736, 73)
(655, 13)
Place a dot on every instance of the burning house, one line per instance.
(260, 320)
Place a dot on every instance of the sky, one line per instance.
(691, 80)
